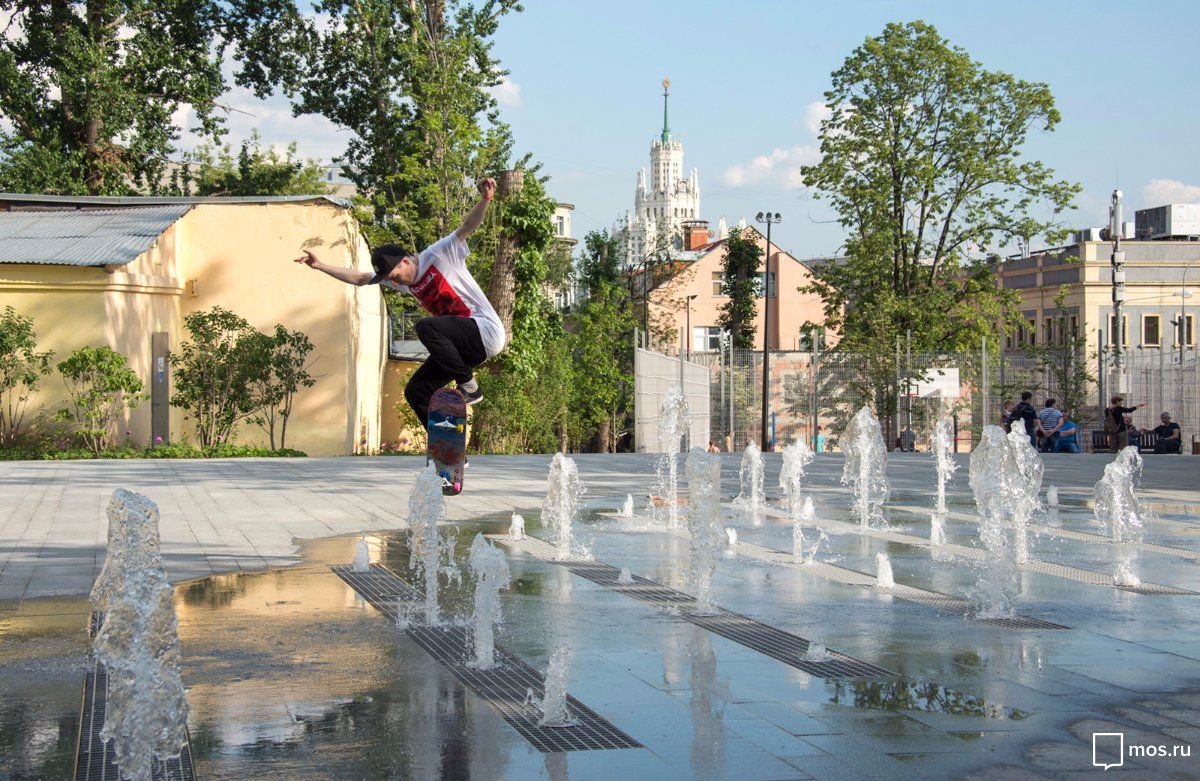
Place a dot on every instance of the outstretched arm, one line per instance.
(347, 275)
(474, 218)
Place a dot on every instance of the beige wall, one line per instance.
(790, 309)
(239, 256)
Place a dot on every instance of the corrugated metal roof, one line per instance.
(96, 237)
(141, 200)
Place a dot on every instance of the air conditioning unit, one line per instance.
(1173, 221)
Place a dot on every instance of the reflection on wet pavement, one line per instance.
(291, 675)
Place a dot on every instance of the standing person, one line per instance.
(1115, 425)
(819, 442)
(1025, 413)
(1049, 422)
(1006, 415)
(1169, 437)
(463, 331)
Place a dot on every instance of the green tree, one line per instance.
(413, 83)
(741, 283)
(255, 171)
(601, 330)
(280, 369)
(1065, 361)
(530, 382)
(91, 90)
(214, 373)
(101, 388)
(922, 158)
(21, 370)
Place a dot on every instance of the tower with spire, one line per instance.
(662, 202)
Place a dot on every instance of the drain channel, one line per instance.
(755, 635)
(505, 687)
(95, 759)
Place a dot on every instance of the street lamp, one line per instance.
(687, 340)
(769, 219)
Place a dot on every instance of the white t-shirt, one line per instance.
(445, 287)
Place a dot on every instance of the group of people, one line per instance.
(1051, 430)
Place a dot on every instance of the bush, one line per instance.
(21, 370)
(101, 388)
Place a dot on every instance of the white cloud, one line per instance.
(813, 114)
(1159, 192)
(780, 168)
(508, 93)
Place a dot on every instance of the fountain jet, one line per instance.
(704, 524)
(864, 468)
(561, 502)
(1117, 507)
(491, 572)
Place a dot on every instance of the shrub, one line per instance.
(21, 370)
(101, 388)
(213, 372)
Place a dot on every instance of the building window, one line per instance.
(1151, 330)
(1032, 333)
(758, 285)
(561, 224)
(1188, 334)
(718, 280)
(1074, 327)
(1049, 330)
(706, 339)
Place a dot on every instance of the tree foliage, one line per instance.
(254, 171)
(21, 370)
(101, 387)
(740, 282)
(213, 373)
(413, 83)
(280, 368)
(91, 91)
(922, 160)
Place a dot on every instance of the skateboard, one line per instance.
(447, 437)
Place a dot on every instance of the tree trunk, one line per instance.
(501, 287)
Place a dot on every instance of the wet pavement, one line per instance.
(290, 674)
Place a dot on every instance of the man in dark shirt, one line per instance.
(1115, 425)
(1025, 412)
(1169, 436)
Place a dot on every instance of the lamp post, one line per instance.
(768, 219)
(688, 340)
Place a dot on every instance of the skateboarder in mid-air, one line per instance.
(463, 329)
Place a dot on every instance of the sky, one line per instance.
(584, 97)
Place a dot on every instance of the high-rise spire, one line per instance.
(666, 134)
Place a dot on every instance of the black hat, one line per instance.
(385, 258)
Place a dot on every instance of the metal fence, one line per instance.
(813, 395)
(654, 373)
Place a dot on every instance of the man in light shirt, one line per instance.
(1049, 421)
(463, 330)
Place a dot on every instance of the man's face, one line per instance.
(404, 272)
(1165, 419)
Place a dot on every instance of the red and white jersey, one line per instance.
(445, 287)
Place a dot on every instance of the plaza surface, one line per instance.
(291, 675)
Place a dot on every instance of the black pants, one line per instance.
(455, 349)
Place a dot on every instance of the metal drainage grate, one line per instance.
(921, 596)
(755, 635)
(95, 760)
(505, 687)
(378, 586)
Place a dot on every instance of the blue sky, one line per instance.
(747, 81)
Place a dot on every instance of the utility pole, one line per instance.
(770, 219)
(1118, 291)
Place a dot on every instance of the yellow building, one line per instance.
(123, 272)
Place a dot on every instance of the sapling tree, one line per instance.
(101, 387)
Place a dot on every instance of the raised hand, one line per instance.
(487, 187)
(307, 259)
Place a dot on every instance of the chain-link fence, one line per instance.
(813, 395)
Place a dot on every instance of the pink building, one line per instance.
(701, 263)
